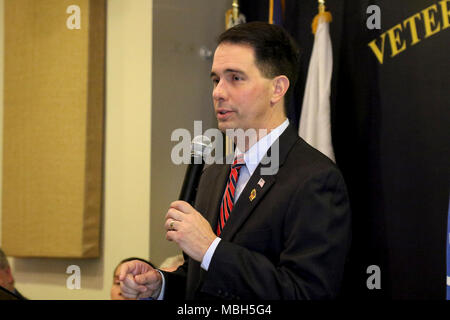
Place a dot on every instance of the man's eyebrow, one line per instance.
(213, 74)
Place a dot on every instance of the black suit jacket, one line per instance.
(289, 242)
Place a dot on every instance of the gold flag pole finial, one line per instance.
(322, 14)
(235, 6)
(321, 6)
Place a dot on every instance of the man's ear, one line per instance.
(280, 87)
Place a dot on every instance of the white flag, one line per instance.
(315, 126)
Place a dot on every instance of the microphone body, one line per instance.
(201, 148)
(191, 180)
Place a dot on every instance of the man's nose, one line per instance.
(219, 92)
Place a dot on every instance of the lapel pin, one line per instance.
(261, 182)
(252, 195)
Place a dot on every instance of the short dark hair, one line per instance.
(276, 52)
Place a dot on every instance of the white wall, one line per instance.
(181, 95)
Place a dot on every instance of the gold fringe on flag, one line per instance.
(325, 15)
(228, 17)
(271, 9)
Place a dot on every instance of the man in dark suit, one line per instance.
(276, 223)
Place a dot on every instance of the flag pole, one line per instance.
(235, 7)
(233, 16)
(322, 14)
(321, 6)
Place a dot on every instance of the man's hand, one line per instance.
(139, 280)
(187, 227)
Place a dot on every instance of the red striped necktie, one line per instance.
(228, 198)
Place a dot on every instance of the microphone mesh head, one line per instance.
(201, 146)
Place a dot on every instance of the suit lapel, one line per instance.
(247, 202)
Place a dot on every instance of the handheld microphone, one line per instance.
(201, 147)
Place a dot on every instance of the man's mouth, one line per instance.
(223, 114)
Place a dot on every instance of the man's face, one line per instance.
(241, 94)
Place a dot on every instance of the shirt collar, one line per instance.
(254, 155)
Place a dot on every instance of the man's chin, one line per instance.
(223, 126)
(230, 128)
